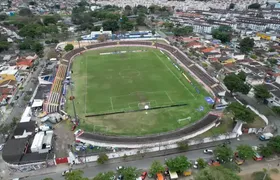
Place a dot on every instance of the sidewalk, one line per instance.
(63, 167)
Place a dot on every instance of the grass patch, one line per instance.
(129, 81)
(225, 126)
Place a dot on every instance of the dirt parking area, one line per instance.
(64, 139)
(248, 177)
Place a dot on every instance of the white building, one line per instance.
(26, 116)
(42, 142)
(254, 80)
(24, 129)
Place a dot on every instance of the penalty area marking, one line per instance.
(168, 96)
(185, 119)
(112, 103)
(174, 75)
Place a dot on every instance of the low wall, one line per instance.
(263, 117)
(88, 42)
(156, 147)
(145, 145)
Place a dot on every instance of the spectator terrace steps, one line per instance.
(56, 91)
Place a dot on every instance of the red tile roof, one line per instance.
(8, 82)
(24, 62)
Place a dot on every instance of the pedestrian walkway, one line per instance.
(263, 109)
(55, 169)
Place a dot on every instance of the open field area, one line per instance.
(106, 81)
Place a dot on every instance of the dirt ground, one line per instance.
(64, 138)
(248, 177)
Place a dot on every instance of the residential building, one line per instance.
(9, 73)
(254, 80)
(226, 60)
(25, 129)
(194, 45)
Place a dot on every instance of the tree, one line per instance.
(234, 83)
(106, 175)
(242, 76)
(271, 50)
(261, 92)
(223, 33)
(75, 175)
(4, 45)
(102, 38)
(3, 17)
(223, 153)
(245, 151)
(25, 12)
(276, 109)
(140, 20)
(265, 151)
(232, 166)
(69, 47)
(261, 175)
(110, 25)
(178, 164)
(31, 31)
(201, 163)
(168, 25)
(216, 172)
(153, 32)
(102, 158)
(183, 146)
(129, 173)
(4, 129)
(156, 167)
(253, 56)
(231, 6)
(241, 112)
(79, 39)
(182, 31)
(254, 6)
(274, 143)
(49, 20)
(246, 45)
(127, 10)
(48, 179)
(38, 48)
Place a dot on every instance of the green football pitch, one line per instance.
(105, 81)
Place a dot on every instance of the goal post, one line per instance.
(144, 105)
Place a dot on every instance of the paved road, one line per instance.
(93, 169)
(20, 104)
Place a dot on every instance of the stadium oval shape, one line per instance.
(181, 134)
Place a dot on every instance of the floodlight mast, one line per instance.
(73, 103)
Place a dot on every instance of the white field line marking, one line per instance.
(145, 92)
(168, 96)
(175, 75)
(86, 87)
(112, 103)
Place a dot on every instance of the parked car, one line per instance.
(119, 168)
(195, 165)
(144, 175)
(120, 177)
(208, 151)
(1, 147)
(237, 160)
(257, 156)
(65, 172)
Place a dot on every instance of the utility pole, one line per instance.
(266, 171)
